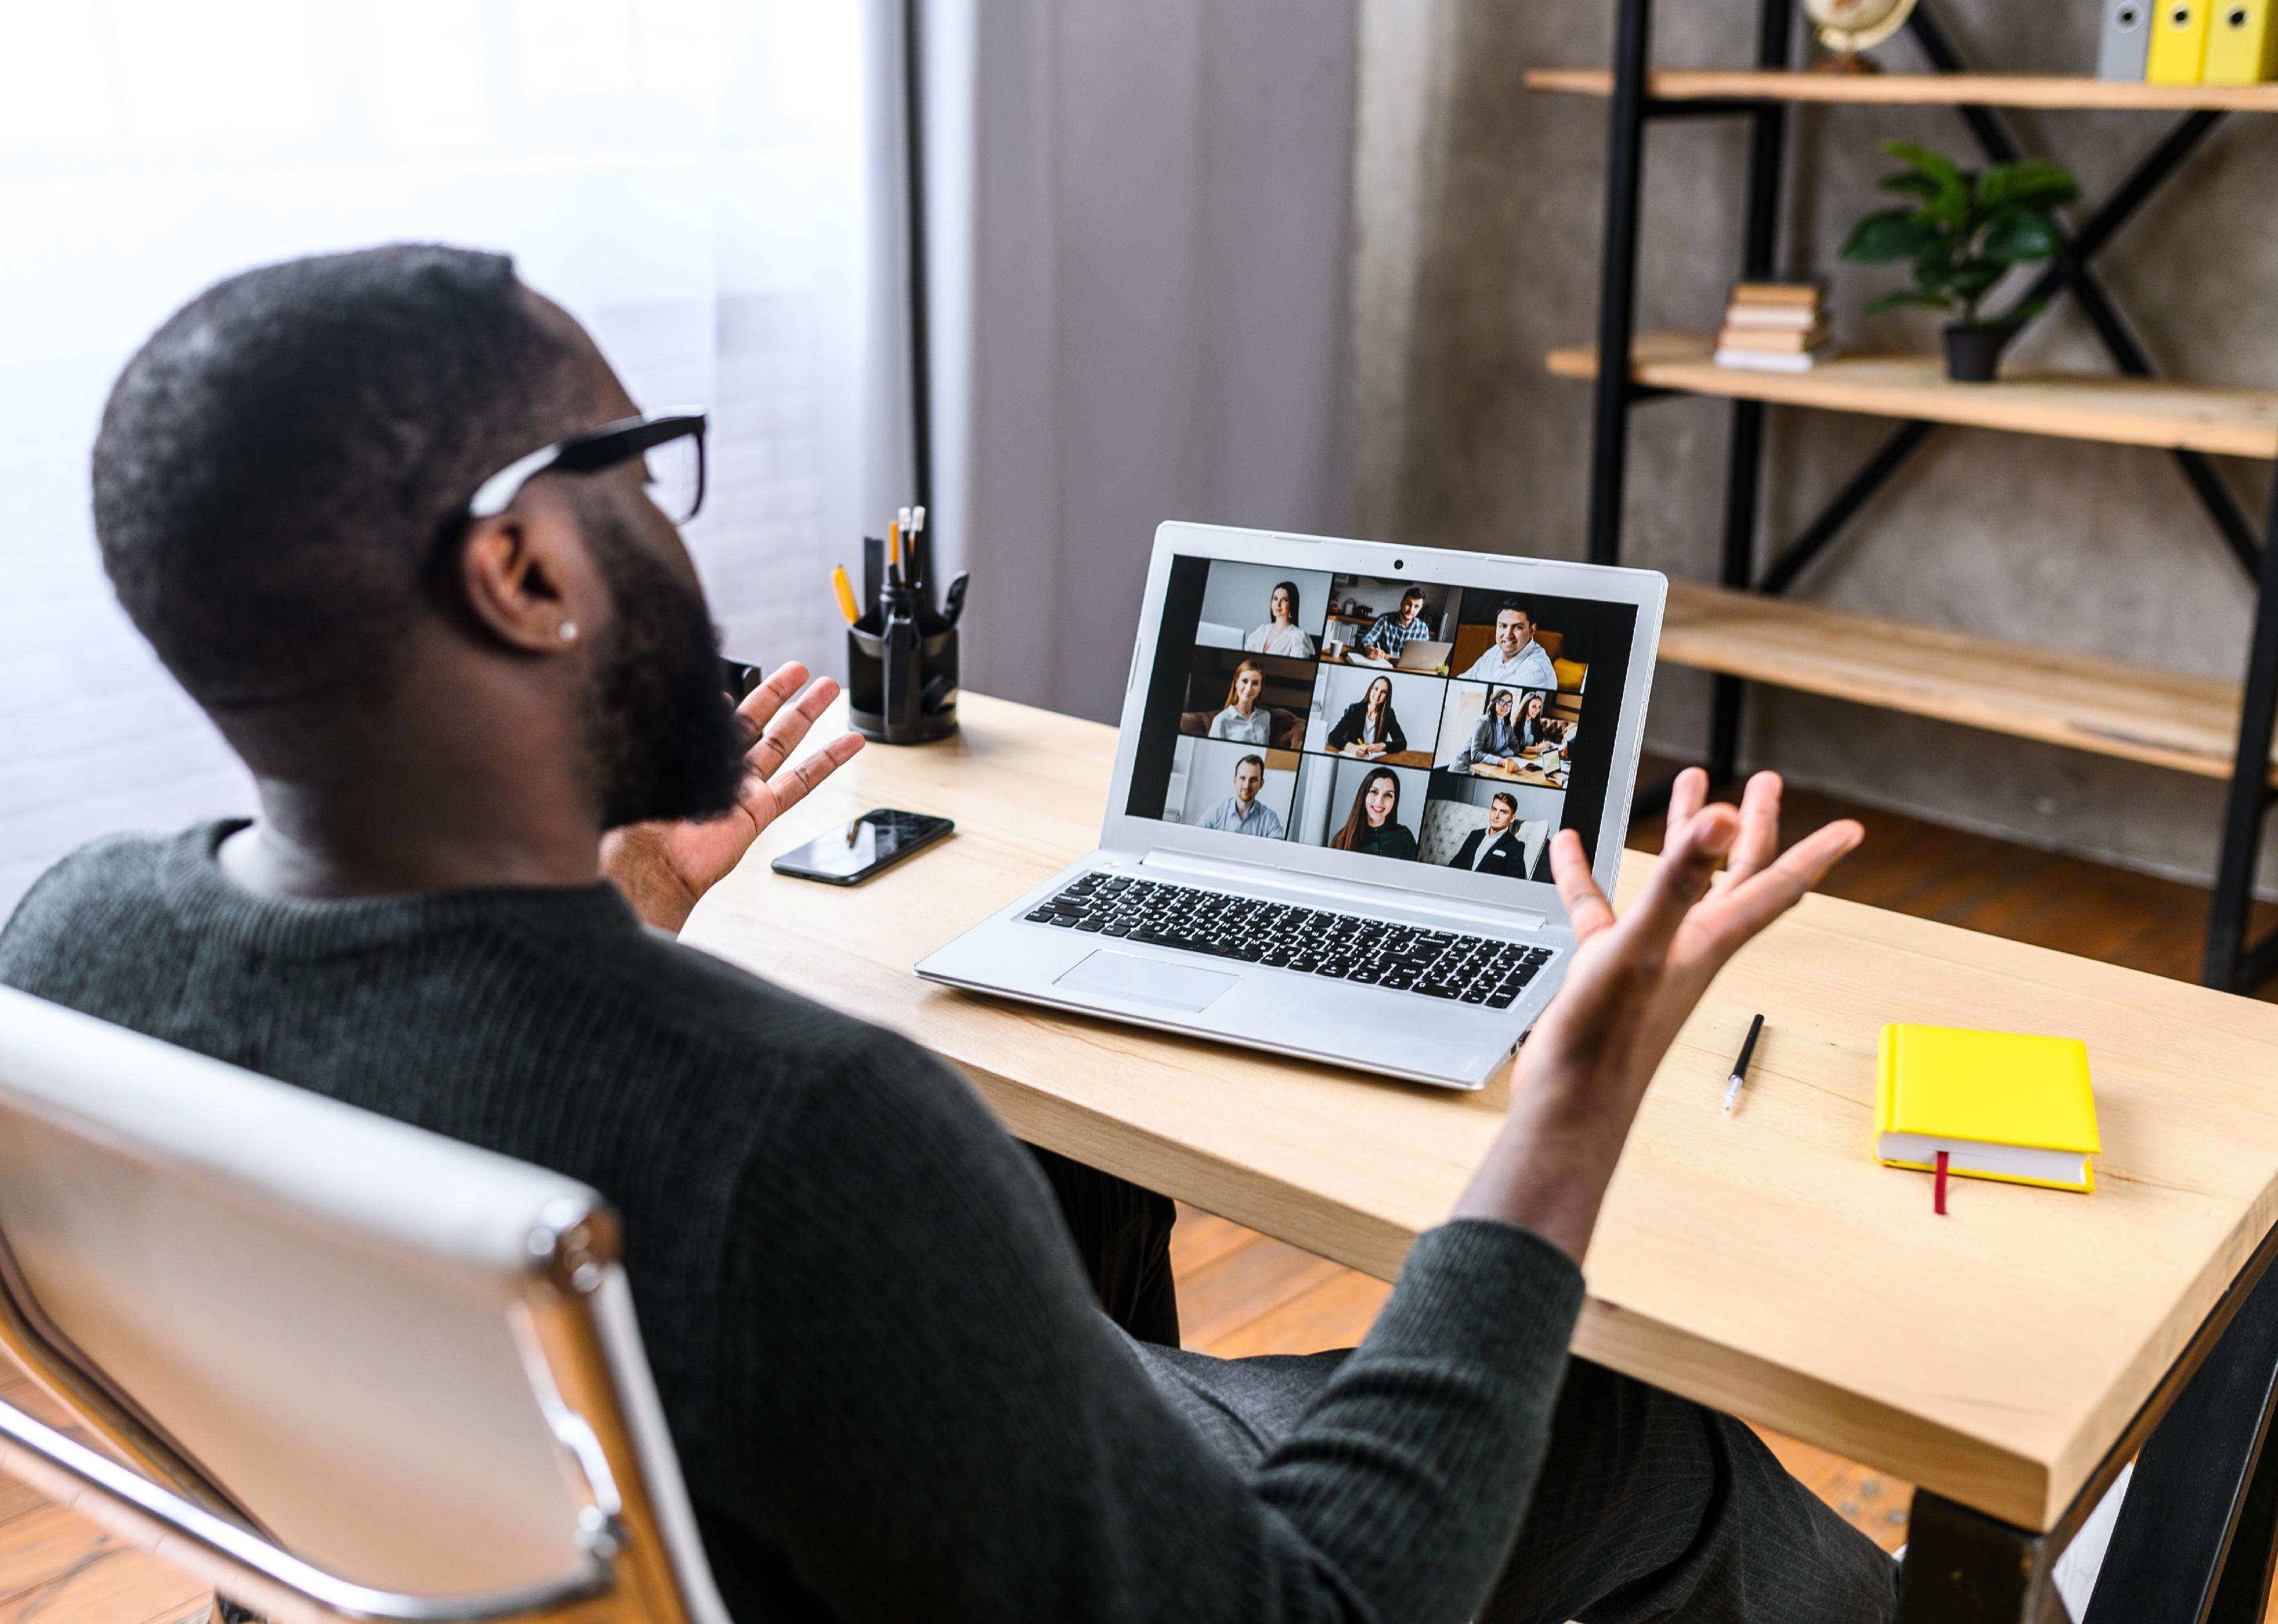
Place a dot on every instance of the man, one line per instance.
(453, 658)
(1243, 812)
(1497, 848)
(1388, 634)
(1516, 658)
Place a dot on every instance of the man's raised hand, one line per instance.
(664, 867)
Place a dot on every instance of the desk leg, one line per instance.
(2193, 1542)
(1964, 1568)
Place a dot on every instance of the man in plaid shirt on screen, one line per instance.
(1388, 634)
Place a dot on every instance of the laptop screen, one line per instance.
(1405, 721)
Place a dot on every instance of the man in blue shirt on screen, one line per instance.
(1516, 658)
(1243, 812)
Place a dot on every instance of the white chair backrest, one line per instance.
(346, 1324)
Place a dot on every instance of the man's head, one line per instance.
(280, 488)
(1501, 810)
(1514, 626)
(1249, 779)
(1411, 605)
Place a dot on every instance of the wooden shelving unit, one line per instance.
(2142, 713)
(1915, 89)
(2119, 411)
(1742, 629)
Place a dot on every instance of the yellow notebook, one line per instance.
(2000, 1104)
(2179, 38)
(2239, 43)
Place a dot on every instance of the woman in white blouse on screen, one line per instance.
(1279, 634)
(1244, 720)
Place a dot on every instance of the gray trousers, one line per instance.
(1649, 1507)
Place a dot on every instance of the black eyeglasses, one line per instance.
(670, 444)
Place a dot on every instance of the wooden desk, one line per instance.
(1534, 775)
(1418, 759)
(1762, 1263)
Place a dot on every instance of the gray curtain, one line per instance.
(1140, 262)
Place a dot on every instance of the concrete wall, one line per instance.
(1478, 216)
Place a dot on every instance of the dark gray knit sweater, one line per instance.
(891, 1393)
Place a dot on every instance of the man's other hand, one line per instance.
(1629, 986)
(662, 868)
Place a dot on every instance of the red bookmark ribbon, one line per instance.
(1937, 1197)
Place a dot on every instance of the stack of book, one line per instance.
(1774, 326)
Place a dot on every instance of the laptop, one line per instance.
(1319, 903)
(1421, 656)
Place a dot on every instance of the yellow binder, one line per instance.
(2179, 40)
(2002, 1105)
(2240, 42)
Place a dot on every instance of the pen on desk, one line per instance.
(1740, 1066)
(843, 590)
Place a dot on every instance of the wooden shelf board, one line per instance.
(1938, 89)
(2159, 718)
(2119, 411)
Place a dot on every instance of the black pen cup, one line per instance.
(913, 703)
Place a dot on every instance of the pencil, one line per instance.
(845, 591)
(894, 553)
(1740, 1066)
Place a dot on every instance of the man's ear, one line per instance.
(525, 579)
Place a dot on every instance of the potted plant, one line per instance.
(1963, 232)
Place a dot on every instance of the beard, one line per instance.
(665, 743)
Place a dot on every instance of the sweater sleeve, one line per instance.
(926, 1415)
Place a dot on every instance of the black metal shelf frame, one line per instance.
(2198, 1532)
(2231, 962)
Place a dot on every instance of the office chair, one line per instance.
(339, 1367)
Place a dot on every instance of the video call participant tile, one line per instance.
(1360, 806)
(1385, 622)
(1517, 734)
(1248, 698)
(1237, 789)
(1489, 827)
(1250, 607)
(1513, 641)
(1376, 715)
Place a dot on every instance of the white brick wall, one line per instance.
(692, 207)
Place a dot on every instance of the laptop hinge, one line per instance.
(1265, 875)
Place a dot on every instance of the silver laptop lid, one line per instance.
(1226, 683)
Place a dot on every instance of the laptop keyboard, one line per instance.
(1435, 963)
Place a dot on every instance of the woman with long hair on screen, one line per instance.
(1368, 727)
(1244, 720)
(1279, 634)
(1495, 741)
(1373, 826)
(1540, 736)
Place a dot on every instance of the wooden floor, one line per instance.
(1240, 1292)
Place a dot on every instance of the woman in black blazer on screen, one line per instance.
(1369, 723)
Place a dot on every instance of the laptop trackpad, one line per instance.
(1148, 981)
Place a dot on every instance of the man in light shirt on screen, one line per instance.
(1243, 812)
(1516, 658)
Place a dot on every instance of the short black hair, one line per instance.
(279, 462)
(1413, 591)
(1520, 603)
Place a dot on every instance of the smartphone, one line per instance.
(738, 677)
(854, 851)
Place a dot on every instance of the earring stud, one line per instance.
(569, 631)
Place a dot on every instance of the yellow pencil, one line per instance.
(844, 588)
(893, 550)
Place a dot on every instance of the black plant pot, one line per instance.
(1973, 354)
